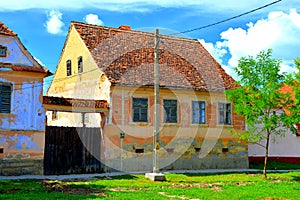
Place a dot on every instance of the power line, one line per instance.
(190, 30)
(226, 20)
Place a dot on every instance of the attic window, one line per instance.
(80, 65)
(69, 68)
(3, 50)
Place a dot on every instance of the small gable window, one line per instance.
(5, 97)
(3, 50)
(80, 65)
(224, 110)
(140, 109)
(69, 67)
(170, 111)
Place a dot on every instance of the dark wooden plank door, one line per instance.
(72, 150)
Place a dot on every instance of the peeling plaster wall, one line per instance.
(183, 145)
(22, 131)
(27, 112)
(23, 152)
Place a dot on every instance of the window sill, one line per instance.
(225, 125)
(199, 125)
(140, 123)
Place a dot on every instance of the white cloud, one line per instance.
(280, 32)
(54, 23)
(93, 19)
(230, 6)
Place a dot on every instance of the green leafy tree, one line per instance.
(260, 100)
(296, 88)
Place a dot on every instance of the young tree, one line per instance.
(259, 99)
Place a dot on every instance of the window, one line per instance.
(54, 115)
(80, 65)
(5, 97)
(69, 68)
(198, 108)
(3, 50)
(170, 111)
(224, 113)
(140, 109)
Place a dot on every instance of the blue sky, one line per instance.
(42, 25)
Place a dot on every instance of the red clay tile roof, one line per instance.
(60, 101)
(5, 30)
(127, 57)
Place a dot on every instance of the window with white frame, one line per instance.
(140, 109)
(224, 113)
(198, 111)
(170, 110)
(5, 97)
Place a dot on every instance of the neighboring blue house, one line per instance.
(22, 116)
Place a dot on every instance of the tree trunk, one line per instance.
(266, 155)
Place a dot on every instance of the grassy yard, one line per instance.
(177, 186)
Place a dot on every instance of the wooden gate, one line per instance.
(67, 150)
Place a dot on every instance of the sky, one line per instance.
(42, 25)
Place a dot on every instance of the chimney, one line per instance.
(124, 27)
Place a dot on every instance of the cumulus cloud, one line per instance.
(54, 24)
(230, 6)
(280, 32)
(93, 19)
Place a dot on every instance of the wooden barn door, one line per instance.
(67, 150)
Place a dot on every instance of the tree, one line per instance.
(259, 99)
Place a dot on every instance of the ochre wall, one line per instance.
(183, 145)
(86, 85)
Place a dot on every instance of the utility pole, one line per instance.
(156, 103)
(156, 176)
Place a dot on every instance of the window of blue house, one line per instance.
(198, 110)
(5, 97)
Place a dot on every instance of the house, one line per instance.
(284, 148)
(22, 116)
(116, 65)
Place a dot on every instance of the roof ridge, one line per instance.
(134, 31)
(5, 30)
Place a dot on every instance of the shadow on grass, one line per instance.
(121, 177)
(296, 178)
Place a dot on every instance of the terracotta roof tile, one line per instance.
(127, 56)
(60, 101)
(5, 30)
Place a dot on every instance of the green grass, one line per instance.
(177, 186)
(274, 165)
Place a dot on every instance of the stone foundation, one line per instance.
(15, 167)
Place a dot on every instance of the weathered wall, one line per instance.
(183, 145)
(27, 112)
(22, 131)
(15, 52)
(86, 85)
(90, 84)
(22, 152)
